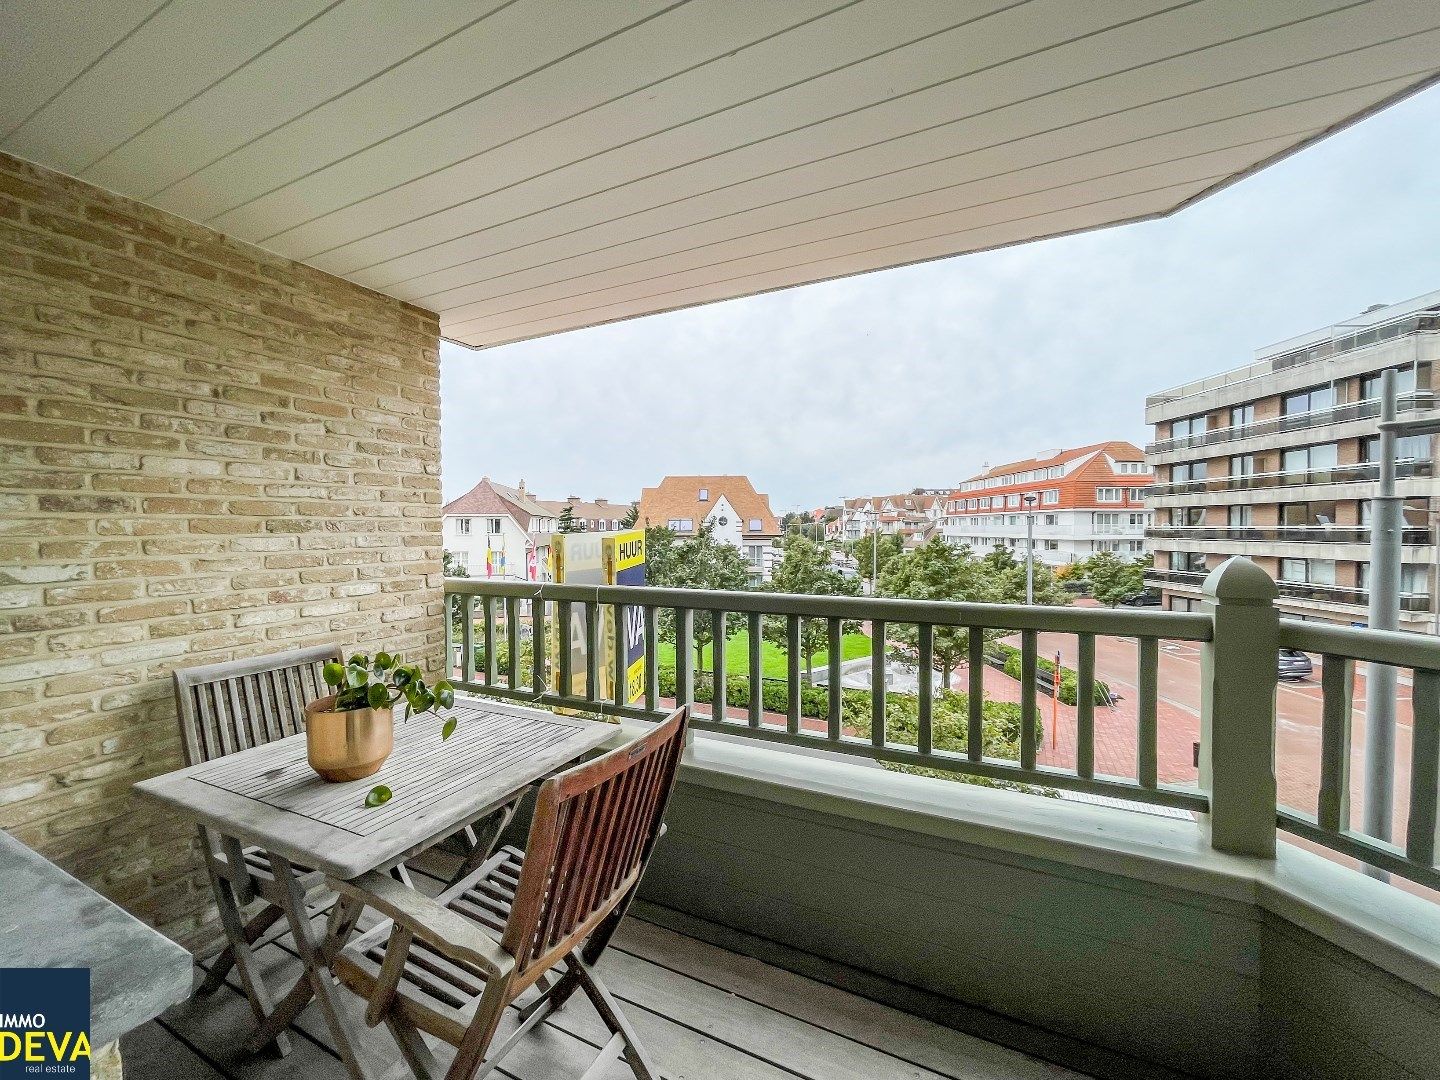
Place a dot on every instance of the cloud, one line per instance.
(919, 376)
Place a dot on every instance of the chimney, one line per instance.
(601, 502)
(522, 486)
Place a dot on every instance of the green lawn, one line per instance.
(772, 657)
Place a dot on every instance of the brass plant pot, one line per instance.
(347, 745)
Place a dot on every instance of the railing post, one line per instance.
(1239, 672)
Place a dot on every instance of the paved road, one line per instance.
(1297, 738)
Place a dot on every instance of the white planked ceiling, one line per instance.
(526, 167)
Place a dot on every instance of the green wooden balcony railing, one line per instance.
(1340, 648)
(1239, 633)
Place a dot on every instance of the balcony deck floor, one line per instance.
(704, 1013)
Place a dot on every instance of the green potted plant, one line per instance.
(350, 733)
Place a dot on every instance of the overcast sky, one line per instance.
(920, 376)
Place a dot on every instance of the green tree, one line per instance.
(631, 516)
(887, 546)
(660, 554)
(1113, 578)
(937, 571)
(805, 568)
(567, 523)
(1008, 586)
(999, 559)
(698, 562)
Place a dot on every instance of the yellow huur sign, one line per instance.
(601, 559)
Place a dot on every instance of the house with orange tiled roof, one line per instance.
(498, 531)
(1088, 499)
(911, 515)
(730, 505)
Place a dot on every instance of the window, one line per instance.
(1187, 515)
(1187, 471)
(1308, 513)
(1106, 522)
(682, 525)
(1308, 571)
(1050, 497)
(1305, 401)
(1242, 465)
(985, 503)
(1193, 561)
(1240, 516)
(1135, 494)
(492, 526)
(461, 558)
(704, 494)
(755, 525)
(1190, 425)
(1404, 383)
(1307, 459)
(1415, 580)
(1052, 545)
(1414, 513)
(1294, 570)
(755, 553)
(1108, 495)
(462, 526)
(1012, 501)
(1129, 468)
(1408, 448)
(1136, 521)
(1052, 519)
(1242, 415)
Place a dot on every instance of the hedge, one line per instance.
(1069, 678)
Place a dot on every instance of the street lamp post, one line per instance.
(1386, 524)
(1029, 501)
(1380, 679)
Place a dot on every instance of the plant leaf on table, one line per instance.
(361, 683)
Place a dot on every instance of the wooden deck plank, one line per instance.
(151, 1050)
(705, 1014)
(770, 1036)
(548, 1054)
(936, 1047)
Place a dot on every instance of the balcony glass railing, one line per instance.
(1339, 414)
(1301, 534)
(1299, 590)
(1343, 339)
(504, 648)
(1339, 474)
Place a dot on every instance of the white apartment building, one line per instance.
(495, 531)
(1084, 500)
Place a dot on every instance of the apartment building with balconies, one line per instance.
(1278, 461)
(1085, 500)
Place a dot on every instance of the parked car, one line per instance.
(1148, 598)
(1294, 664)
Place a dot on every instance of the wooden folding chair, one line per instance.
(451, 965)
(225, 708)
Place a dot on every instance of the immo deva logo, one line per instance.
(44, 1022)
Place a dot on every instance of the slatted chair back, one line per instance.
(238, 704)
(592, 834)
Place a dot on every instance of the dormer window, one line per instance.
(755, 525)
(704, 494)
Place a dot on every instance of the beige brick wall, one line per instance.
(206, 452)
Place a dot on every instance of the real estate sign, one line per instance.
(625, 565)
(601, 559)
